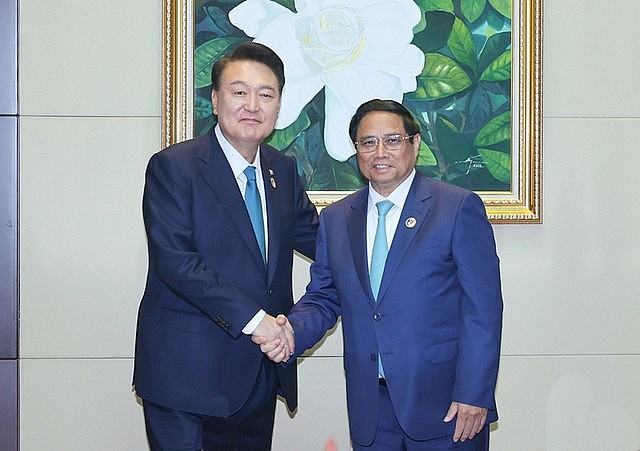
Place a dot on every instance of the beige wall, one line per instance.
(90, 118)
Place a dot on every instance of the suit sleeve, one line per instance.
(477, 263)
(167, 206)
(318, 310)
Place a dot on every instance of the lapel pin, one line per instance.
(410, 222)
(272, 179)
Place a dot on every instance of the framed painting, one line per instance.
(469, 70)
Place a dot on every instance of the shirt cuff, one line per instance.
(255, 321)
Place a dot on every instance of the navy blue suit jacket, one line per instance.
(207, 279)
(437, 322)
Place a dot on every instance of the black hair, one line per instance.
(411, 126)
(249, 51)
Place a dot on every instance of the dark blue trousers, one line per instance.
(249, 429)
(391, 437)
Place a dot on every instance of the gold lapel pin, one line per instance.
(410, 222)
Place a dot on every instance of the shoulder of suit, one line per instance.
(347, 202)
(275, 155)
(438, 187)
(186, 147)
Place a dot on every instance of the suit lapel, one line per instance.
(357, 232)
(219, 176)
(416, 207)
(273, 210)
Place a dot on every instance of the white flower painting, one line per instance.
(447, 61)
(356, 50)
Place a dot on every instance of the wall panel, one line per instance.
(8, 225)
(8, 237)
(8, 405)
(90, 94)
(8, 57)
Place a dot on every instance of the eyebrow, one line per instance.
(386, 135)
(245, 84)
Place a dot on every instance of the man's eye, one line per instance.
(239, 93)
(369, 142)
(393, 140)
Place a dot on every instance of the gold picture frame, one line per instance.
(521, 204)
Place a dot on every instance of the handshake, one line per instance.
(275, 337)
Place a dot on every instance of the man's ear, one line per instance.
(214, 102)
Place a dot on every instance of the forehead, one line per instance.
(249, 72)
(380, 122)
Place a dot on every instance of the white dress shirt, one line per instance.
(238, 164)
(397, 197)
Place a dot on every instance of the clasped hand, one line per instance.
(275, 337)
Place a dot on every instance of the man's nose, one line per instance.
(381, 150)
(251, 103)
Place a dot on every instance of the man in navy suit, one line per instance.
(422, 344)
(215, 277)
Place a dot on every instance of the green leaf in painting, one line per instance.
(281, 139)
(216, 22)
(345, 176)
(437, 31)
(202, 107)
(287, 4)
(452, 144)
(499, 69)
(435, 5)
(493, 48)
(441, 77)
(206, 54)
(202, 127)
(472, 9)
(479, 108)
(502, 6)
(425, 156)
(496, 130)
(332, 175)
(448, 124)
(495, 20)
(199, 4)
(420, 26)
(462, 45)
(497, 163)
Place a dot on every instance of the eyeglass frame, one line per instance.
(384, 140)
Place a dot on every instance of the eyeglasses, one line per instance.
(390, 142)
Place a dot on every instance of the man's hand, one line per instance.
(471, 420)
(275, 337)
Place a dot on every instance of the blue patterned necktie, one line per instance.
(254, 207)
(380, 247)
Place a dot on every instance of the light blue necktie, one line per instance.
(254, 207)
(380, 247)
(379, 257)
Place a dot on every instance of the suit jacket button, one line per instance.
(377, 316)
(373, 357)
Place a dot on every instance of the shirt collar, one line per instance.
(397, 196)
(237, 162)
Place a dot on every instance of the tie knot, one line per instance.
(383, 207)
(250, 172)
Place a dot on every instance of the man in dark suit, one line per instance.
(421, 338)
(221, 237)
